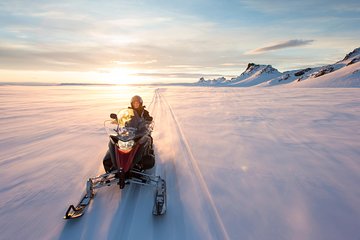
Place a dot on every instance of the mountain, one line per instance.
(254, 75)
(344, 73)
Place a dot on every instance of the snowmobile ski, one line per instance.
(78, 211)
(160, 198)
(108, 179)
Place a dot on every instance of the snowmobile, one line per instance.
(130, 149)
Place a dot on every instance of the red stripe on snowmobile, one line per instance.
(125, 160)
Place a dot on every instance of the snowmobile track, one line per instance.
(196, 170)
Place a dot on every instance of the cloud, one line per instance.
(136, 62)
(177, 75)
(282, 45)
(311, 7)
(55, 58)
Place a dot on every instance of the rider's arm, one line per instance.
(147, 116)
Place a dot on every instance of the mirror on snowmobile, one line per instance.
(113, 116)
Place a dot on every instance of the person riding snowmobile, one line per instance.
(144, 158)
(137, 106)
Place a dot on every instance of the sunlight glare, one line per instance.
(122, 76)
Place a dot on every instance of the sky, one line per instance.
(153, 41)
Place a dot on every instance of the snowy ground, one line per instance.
(247, 163)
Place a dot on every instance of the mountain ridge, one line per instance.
(266, 75)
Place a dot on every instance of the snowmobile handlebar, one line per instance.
(114, 116)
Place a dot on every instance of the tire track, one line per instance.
(192, 164)
(175, 220)
(126, 210)
(155, 109)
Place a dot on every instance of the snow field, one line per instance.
(279, 163)
(254, 163)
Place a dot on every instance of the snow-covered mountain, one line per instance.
(344, 73)
(254, 75)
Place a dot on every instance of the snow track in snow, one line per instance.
(211, 215)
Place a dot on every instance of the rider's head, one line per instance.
(136, 102)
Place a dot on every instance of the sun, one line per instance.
(120, 76)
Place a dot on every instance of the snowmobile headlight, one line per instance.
(125, 146)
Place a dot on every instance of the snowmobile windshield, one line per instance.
(125, 117)
(128, 125)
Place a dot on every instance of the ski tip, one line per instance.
(73, 212)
